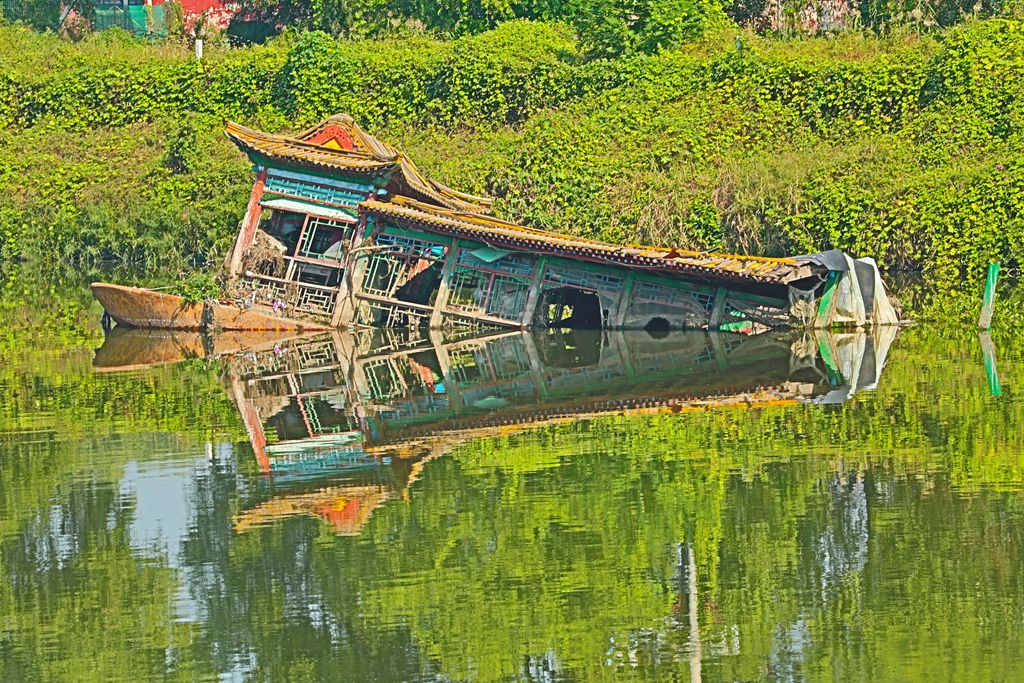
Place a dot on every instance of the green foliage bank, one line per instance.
(906, 149)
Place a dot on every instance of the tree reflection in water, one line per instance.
(607, 507)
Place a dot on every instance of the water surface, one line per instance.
(523, 507)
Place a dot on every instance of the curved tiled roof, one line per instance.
(497, 232)
(368, 155)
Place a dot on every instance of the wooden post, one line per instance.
(537, 373)
(437, 316)
(534, 294)
(250, 222)
(345, 308)
(718, 348)
(618, 317)
(342, 313)
(444, 362)
(988, 301)
(715, 319)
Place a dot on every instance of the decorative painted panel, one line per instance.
(314, 192)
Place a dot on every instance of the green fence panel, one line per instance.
(109, 17)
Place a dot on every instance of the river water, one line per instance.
(565, 506)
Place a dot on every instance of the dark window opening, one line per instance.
(422, 287)
(285, 227)
(571, 308)
(658, 327)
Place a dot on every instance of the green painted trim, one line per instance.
(287, 174)
(587, 266)
(756, 298)
(828, 298)
(672, 283)
(627, 284)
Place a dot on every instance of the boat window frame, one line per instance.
(348, 229)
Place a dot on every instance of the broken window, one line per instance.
(577, 298)
(324, 239)
(568, 307)
(285, 227)
(496, 288)
(390, 269)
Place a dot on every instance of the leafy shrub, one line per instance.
(197, 286)
(905, 149)
(610, 28)
(183, 152)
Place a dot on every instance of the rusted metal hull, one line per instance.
(145, 308)
(136, 307)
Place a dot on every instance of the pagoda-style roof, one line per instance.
(339, 144)
(499, 233)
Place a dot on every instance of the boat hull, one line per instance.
(148, 309)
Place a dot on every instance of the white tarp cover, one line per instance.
(296, 206)
(860, 296)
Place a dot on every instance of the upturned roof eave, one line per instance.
(371, 156)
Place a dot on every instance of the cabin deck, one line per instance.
(342, 229)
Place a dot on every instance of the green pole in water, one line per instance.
(988, 301)
(988, 352)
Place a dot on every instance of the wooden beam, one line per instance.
(250, 222)
(533, 295)
(443, 289)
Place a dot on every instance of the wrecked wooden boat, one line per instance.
(148, 309)
(343, 230)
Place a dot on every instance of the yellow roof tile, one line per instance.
(490, 230)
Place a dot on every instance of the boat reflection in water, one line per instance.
(341, 422)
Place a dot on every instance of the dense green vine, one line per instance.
(906, 150)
